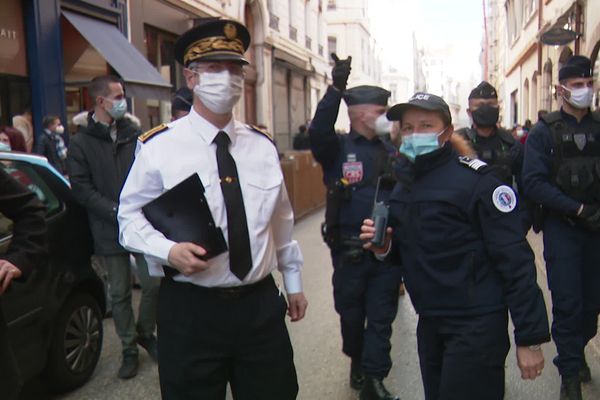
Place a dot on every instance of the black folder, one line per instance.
(182, 215)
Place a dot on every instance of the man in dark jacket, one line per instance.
(98, 162)
(26, 251)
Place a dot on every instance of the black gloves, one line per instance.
(590, 216)
(340, 71)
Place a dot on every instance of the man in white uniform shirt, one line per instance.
(223, 319)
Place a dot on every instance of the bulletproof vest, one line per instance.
(576, 169)
(499, 157)
(350, 197)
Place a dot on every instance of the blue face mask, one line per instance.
(119, 107)
(418, 144)
(4, 147)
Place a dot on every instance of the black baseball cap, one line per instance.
(576, 67)
(182, 100)
(214, 39)
(425, 101)
(483, 91)
(366, 94)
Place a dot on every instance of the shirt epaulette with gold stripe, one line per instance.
(144, 137)
(261, 131)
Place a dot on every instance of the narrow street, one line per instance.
(322, 369)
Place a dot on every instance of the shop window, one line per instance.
(159, 50)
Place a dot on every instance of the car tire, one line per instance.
(76, 343)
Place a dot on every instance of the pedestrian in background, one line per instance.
(50, 143)
(220, 320)
(11, 139)
(99, 160)
(562, 156)
(24, 124)
(465, 260)
(301, 139)
(181, 103)
(365, 290)
(26, 252)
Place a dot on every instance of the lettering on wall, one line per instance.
(10, 34)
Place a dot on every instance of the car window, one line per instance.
(27, 176)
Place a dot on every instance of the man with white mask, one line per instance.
(220, 320)
(562, 174)
(365, 290)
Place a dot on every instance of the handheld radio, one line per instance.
(380, 218)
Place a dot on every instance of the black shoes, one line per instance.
(357, 377)
(129, 366)
(150, 344)
(373, 389)
(585, 375)
(570, 388)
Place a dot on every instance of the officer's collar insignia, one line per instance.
(504, 199)
(580, 140)
(146, 136)
(473, 163)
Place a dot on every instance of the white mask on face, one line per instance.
(59, 129)
(383, 126)
(219, 91)
(580, 98)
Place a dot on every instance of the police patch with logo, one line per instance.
(504, 199)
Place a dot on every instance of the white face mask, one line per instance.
(383, 126)
(219, 91)
(580, 98)
(59, 129)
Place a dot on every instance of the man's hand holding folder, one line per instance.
(183, 216)
(187, 258)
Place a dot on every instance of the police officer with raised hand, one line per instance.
(562, 173)
(365, 289)
(465, 260)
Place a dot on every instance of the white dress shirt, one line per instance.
(187, 147)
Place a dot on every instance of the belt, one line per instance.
(231, 292)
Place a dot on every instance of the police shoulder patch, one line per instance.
(144, 137)
(472, 163)
(504, 199)
(261, 131)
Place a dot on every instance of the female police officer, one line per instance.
(465, 261)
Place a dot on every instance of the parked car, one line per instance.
(55, 317)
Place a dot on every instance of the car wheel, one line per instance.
(76, 343)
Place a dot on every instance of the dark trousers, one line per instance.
(463, 357)
(365, 293)
(10, 378)
(208, 337)
(573, 267)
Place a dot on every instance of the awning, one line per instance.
(142, 79)
(292, 62)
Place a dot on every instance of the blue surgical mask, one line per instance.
(5, 146)
(417, 144)
(118, 109)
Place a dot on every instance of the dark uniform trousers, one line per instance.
(462, 358)
(208, 337)
(573, 267)
(365, 290)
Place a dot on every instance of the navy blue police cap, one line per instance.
(483, 91)
(425, 101)
(182, 100)
(213, 39)
(366, 94)
(576, 67)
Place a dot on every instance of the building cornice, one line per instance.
(524, 56)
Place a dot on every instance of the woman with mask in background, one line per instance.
(466, 260)
(11, 139)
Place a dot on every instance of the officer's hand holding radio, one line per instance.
(368, 233)
(341, 71)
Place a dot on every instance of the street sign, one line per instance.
(558, 36)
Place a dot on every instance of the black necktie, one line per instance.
(240, 258)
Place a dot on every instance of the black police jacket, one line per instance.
(463, 252)
(358, 160)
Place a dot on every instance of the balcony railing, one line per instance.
(308, 42)
(293, 33)
(273, 21)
